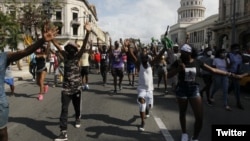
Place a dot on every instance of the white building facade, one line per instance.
(70, 17)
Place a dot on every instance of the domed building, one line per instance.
(192, 27)
(191, 11)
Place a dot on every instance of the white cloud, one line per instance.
(140, 18)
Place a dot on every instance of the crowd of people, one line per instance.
(177, 65)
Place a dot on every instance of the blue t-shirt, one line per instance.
(235, 62)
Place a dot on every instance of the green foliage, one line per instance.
(9, 31)
(25, 16)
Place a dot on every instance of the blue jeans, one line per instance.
(236, 86)
(220, 82)
(4, 113)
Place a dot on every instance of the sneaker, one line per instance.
(86, 87)
(166, 92)
(240, 106)
(228, 108)
(184, 137)
(193, 139)
(141, 128)
(83, 88)
(120, 88)
(133, 84)
(40, 97)
(46, 88)
(78, 123)
(62, 137)
(147, 113)
(209, 103)
(33, 80)
(212, 100)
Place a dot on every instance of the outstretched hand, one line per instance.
(49, 33)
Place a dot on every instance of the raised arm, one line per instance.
(59, 48)
(110, 47)
(131, 51)
(98, 45)
(88, 29)
(91, 46)
(48, 35)
(158, 57)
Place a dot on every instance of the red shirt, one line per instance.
(98, 57)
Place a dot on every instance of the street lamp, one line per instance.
(233, 22)
(209, 34)
(187, 38)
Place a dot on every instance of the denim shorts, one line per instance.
(4, 113)
(187, 90)
(9, 81)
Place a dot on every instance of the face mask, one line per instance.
(184, 58)
(209, 53)
(71, 51)
(223, 55)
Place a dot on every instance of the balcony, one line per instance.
(75, 23)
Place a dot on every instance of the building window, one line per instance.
(58, 15)
(75, 30)
(59, 31)
(247, 7)
(75, 16)
(191, 2)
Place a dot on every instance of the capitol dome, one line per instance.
(191, 11)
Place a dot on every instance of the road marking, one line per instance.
(163, 128)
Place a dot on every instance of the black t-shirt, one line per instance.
(190, 72)
(104, 57)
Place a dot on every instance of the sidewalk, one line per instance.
(21, 74)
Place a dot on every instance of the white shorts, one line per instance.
(147, 95)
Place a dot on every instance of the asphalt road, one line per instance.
(110, 118)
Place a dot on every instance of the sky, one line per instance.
(142, 19)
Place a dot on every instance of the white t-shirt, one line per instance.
(146, 78)
(8, 73)
(84, 59)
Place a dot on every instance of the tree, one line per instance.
(32, 14)
(9, 31)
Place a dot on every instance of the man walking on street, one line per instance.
(71, 83)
